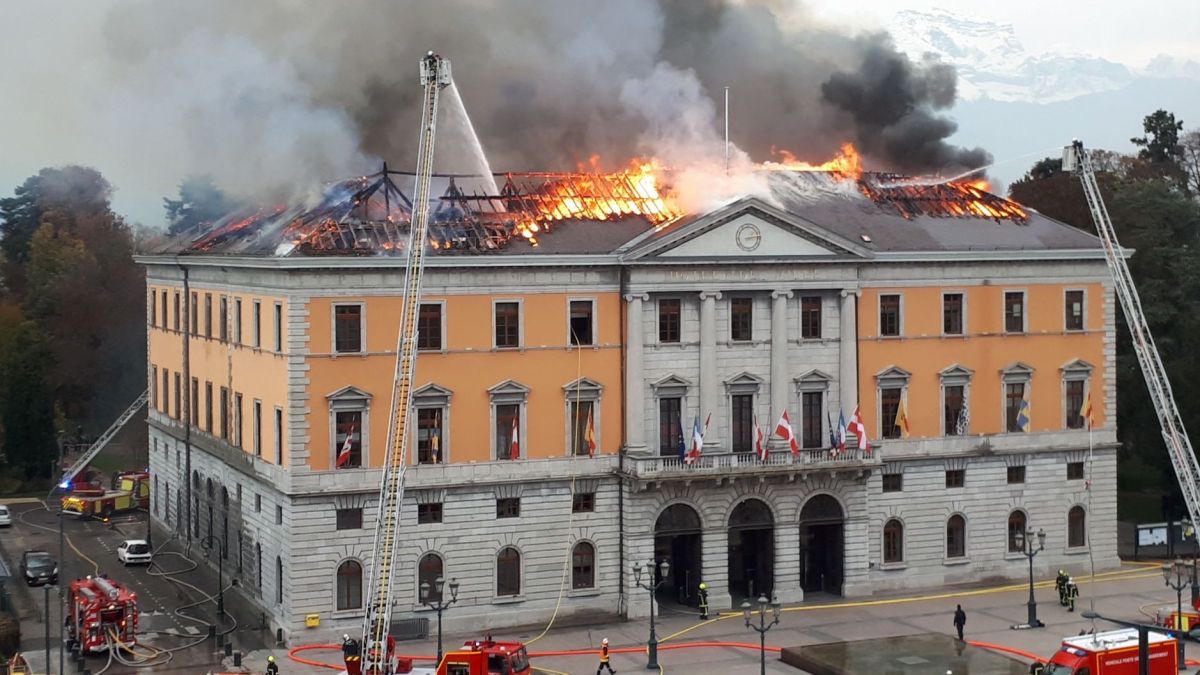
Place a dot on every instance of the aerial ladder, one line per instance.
(435, 76)
(1179, 447)
(81, 463)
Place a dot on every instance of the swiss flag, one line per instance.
(515, 449)
(859, 428)
(344, 454)
(760, 441)
(784, 430)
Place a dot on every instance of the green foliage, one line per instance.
(28, 410)
(200, 202)
(1160, 143)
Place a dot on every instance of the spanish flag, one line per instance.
(591, 436)
(902, 417)
(1086, 411)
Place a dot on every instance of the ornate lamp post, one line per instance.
(652, 586)
(1025, 542)
(439, 605)
(1178, 577)
(762, 626)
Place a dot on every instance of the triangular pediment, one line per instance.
(956, 371)
(1017, 368)
(432, 390)
(583, 385)
(747, 228)
(815, 377)
(509, 387)
(893, 373)
(744, 378)
(1077, 366)
(671, 382)
(349, 393)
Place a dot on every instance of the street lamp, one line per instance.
(652, 586)
(762, 626)
(440, 605)
(209, 543)
(1025, 544)
(1177, 576)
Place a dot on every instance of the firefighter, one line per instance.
(1060, 584)
(272, 669)
(604, 658)
(351, 654)
(1072, 592)
(703, 600)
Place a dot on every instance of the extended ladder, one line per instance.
(1179, 447)
(81, 463)
(435, 74)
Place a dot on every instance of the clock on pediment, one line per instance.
(748, 237)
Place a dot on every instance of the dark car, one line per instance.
(38, 568)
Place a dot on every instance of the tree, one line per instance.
(200, 202)
(1160, 143)
(1190, 160)
(27, 413)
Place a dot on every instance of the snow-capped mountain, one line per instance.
(993, 64)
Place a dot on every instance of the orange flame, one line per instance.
(846, 164)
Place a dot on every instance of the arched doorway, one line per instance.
(751, 550)
(821, 545)
(677, 540)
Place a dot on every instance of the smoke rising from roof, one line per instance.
(275, 95)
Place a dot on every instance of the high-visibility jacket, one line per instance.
(604, 654)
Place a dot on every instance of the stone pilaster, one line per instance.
(714, 568)
(787, 563)
(848, 354)
(635, 385)
(708, 356)
(779, 352)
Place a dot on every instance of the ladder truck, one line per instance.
(1179, 447)
(376, 657)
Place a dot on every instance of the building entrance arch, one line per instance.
(822, 545)
(677, 537)
(751, 550)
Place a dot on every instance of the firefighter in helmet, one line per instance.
(272, 669)
(1072, 592)
(1060, 585)
(703, 600)
(351, 654)
(604, 658)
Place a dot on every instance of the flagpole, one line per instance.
(1087, 532)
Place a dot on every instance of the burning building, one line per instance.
(579, 335)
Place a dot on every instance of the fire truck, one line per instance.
(477, 657)
(133, 492)
(101, 609)
(1113, 653)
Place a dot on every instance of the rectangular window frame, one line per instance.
(208, 407)
(154, 387)
(425, 340)
(741, 319)
(1072, 418)
(208, 316)
(256, 323)
(278, 436)
(810, 317)
(335, 334)
(812, 430)
(885, 327)
(178, 397)
(425, 452)
(154, 309)
(223, 315)
(956, 478)
(348, 519)
(578, 341)
(258, 445)
(888, 413)
(1024, 311)
(1068, 323)
(237, 419)
(670, 321)
(175, 315)
(1011, 415)
(194, 403)
(501, 452)
(741, 431)
(583, 502)
(1075, 471)
(223, 417)
(237, 321)
(673, 423)
(949, 426)
(508, 507)
(520, 343)
(892, 482)
(578, 408)
(430, 513)
(947, 314)
(194, 314)
(1015, 475)
(277, 320)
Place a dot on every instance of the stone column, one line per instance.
(635, 386)
(848, 350)
(708, 357)
(714, 567)
(779, 356)
(787, 562)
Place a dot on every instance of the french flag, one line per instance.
(697, 439)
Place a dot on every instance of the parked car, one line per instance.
(134, 552)
(5, 516)
(39, 568)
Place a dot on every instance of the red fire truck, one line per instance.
(1113, 653)
(100, 607)
(133, 492)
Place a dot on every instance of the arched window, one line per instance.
(508, 572)
(349, 585)
(1076, 532)
(1016, 524)
(429, 570)
(956, 537)
(893, 541)
(278, 580)
(583, 565)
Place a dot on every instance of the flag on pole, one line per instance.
(783, 429)
(698, 439)
(760, 441)
(682, 443)
(435, 443)
(840, 443)
(343, 457)
(962, 426)
(1023, 415)
(858, 428)
(1086, 411)
(591, 436)
(514, 448)
(832, 431)
(902, 417)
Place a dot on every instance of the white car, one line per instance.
(134, 552)
(5, 516)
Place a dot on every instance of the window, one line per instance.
(178, 396)
(1075, 393)
(956, 478)
(1014, 312)
(154, 386)
(741, 319)
(1016, 525)
(279, 581)
(583, 502)
(581, 322)
(278, 514)
(347, 328)
(1014, 399)
(154, 308)
(508, 572)
(194, 402)
(165, 391)
(256, 324)
(164, 309)
(889, 408)
(742, 418)
(1076, 533)
(175, 313)
(208, 407)
(237, 419)
(952, 314)
(669, 324)
(258, 566)
(278, 323)
(508, 507)
(508, 421)
(581, 417)
(258, 503)
(348, 423)
(583, 566)
(956, 537)
(279, 436)
(224, 317)
(194, 322)
(224, 413)
(258, 428)
(429, 513)
(954, 409)
(429, 570)
(810, 317)
(893, 482)
(893, 541)
(1016, 475)
(508, 325)
(237, 321)
(670, 426)
(1074, 310)
(349, 519)
(889, 315)
(208, 317)
(810, 411)
(429, 435)
(349, 585)
(1074, 470)
(429, 326)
